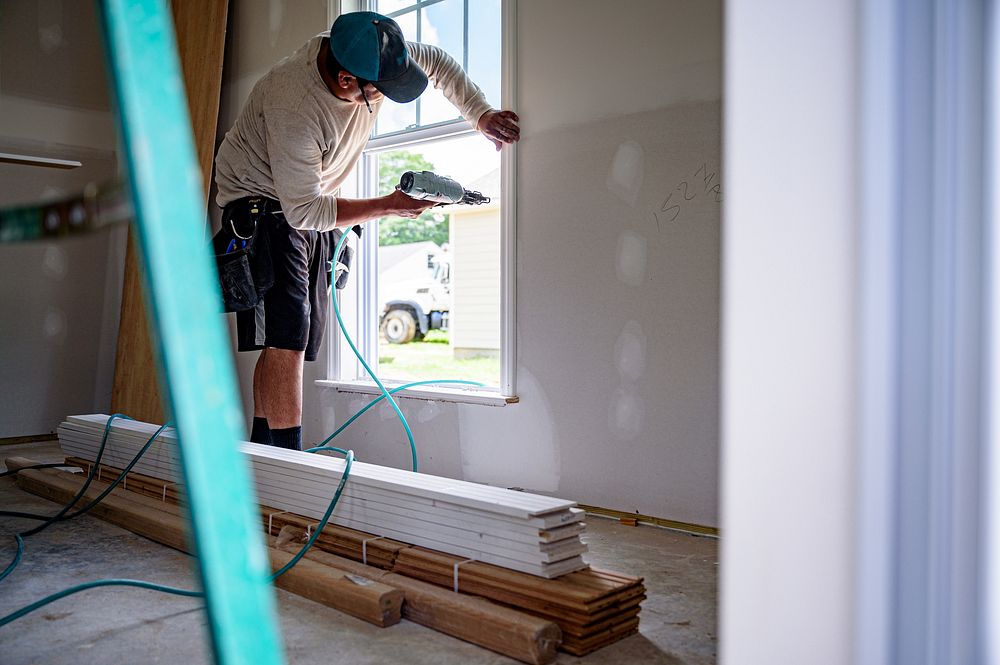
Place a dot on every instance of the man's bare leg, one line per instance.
(280, 387)
(260, 431)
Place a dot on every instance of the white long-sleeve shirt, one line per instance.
(295, 141)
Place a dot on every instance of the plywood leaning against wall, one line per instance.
(200, 26)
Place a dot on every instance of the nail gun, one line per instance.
(430, 186)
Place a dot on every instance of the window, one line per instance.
(431, 298)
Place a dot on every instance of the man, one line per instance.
(280, 167)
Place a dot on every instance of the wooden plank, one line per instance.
(200, 26)
(589, 645)
(135, 389)
(592, 609)
(501, 629)
(201, 36)
(334, 588)
(336, 539)
(425, 560)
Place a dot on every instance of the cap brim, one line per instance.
(406, 87)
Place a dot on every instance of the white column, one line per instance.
(789, 343)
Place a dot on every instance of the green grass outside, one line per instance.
(432, 359)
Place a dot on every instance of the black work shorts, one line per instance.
(292, 314)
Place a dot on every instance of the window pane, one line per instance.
(435, 107)
(442, 26)
(484, 47)
(389, 6)
(442, 271)
(396, 117)
(408, 24)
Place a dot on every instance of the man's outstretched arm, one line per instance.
(357, 211)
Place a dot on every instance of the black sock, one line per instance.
(260, 433)
(290, 437)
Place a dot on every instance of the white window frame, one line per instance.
(361, 293)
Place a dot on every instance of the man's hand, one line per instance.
(404, 205)
(499, 127)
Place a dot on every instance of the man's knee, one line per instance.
(281, 372)
(283, 357)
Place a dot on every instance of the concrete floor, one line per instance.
(117, 625)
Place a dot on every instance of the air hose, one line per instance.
(48, 520)
(386, 394)
(385, 391)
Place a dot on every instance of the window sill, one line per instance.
(434, 394)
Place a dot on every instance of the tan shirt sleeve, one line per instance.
(449, 77)
(296, 168)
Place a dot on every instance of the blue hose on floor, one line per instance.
(49, 520)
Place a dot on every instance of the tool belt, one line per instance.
(242, 254)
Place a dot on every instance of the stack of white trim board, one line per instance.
(530, 533)
(507, 547)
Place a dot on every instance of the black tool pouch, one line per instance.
(242, 255)
(339, 269)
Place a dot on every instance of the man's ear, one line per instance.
(344, 79)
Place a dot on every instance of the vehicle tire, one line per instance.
(399, 326)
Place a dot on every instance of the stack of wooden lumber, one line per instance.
(593, 608)
(530, 533)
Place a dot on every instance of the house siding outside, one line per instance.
(475, 316)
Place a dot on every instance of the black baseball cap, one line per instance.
(371, 47)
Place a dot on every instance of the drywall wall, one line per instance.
(618, 287)
(60, 300)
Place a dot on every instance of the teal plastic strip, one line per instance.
(193, 349)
